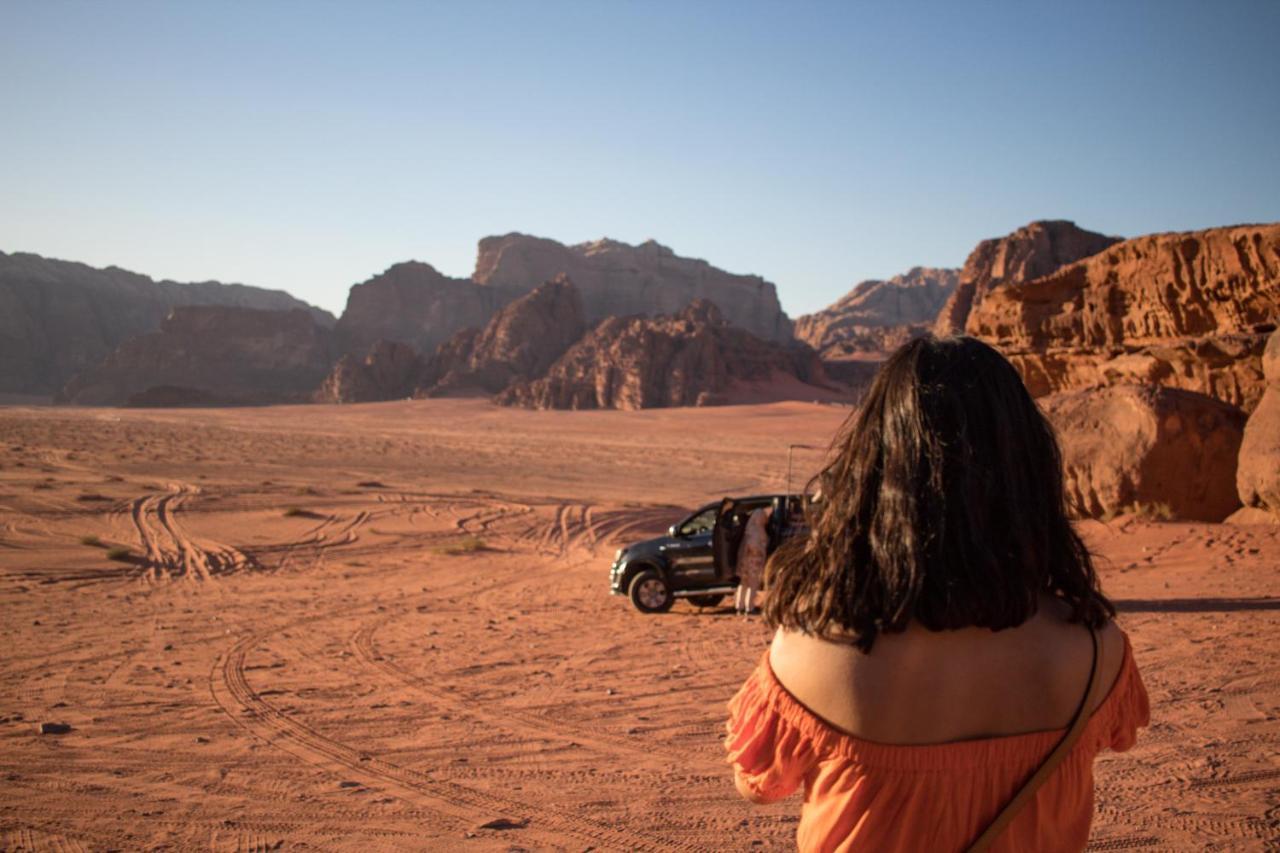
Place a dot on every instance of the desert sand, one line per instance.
(387, 626)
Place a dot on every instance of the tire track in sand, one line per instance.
(170, 550)
(542, 725)
(456, 804)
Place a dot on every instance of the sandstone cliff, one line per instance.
(389, 371)
(411, 303)
(521, 342)
(1188, 310)
(617, 279)
(58, 318)
(1032, 251)
(1258, 475)
(1146, 448)
(230, 355)
(691, 358)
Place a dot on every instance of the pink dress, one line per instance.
(753, 551)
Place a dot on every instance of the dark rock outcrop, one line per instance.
(693, 358)
(58, 318)
(389, 371)
(1258, 474)
(1032, 251)
(1147, 448)
(521, 342)
(232, 355)
(411, 303)
(618, 279)
(1188, 310)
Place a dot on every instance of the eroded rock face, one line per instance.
(617, 279)
(1129, 446)
(411, 303)
(1032, 251)
(1189, 310)
(232, 355)
(879, 316)
(58, 318)
(1258, 474)
(389, 371)
(521, 342)
(693, 358)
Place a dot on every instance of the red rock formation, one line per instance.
(1130, 447)
(1032, 251)
(521, 342)
(1258, 474)
(389, 371)
(617, 279)
(411, 303)
(692, 358)
(237, 355)
(1188, 310)
(877, 316)
(58, 318)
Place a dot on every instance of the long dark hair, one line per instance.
(942, 503)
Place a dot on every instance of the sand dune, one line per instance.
(387, 626)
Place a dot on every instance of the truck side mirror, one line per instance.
(673, 531)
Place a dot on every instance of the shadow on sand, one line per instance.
(1195, 605)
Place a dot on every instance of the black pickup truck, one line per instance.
(698, 556)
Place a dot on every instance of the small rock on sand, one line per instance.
(54, 728)
(504, 823)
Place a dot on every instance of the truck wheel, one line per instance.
(705, 600)
(650, 593)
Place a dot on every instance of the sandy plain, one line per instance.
(387, 627)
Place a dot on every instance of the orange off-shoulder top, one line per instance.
(862, 795)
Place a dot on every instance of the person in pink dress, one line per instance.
(753, 552)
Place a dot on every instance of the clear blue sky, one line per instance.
(309, 145)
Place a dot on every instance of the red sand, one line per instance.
(386, 626)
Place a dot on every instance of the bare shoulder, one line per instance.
(1111, 652)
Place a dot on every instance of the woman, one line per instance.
(939, 631)
(752, 554)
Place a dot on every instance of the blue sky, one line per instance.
(309, 145)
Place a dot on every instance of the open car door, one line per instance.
(724, 541)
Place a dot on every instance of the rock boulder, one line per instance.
(1258, 474)
(1147, 447)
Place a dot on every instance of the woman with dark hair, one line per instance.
(945, 666)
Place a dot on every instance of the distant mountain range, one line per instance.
(1070, 307)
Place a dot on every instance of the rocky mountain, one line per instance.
(389, 371)
(1189, 310)
(1032, 251)
(58, 318)
(691, 358)
(214, 354)
(521, 342)
(1147, 448)
(878, 316)
(618, 279)
(412, 303)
